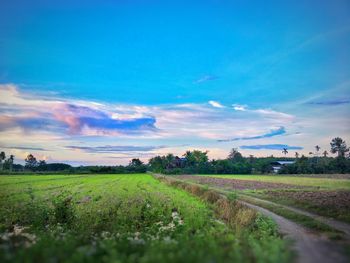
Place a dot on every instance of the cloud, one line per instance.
(274, 132)
(24, 148)
(274, 114)
(264, 112)
(77, 117)
(330, 102)
(216, 104)
(114, 148)
(270, 147)
(205, 79)
(239, 107)
(31, 112)
(67, 117)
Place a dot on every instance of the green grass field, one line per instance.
(122, 218)
(323, 183)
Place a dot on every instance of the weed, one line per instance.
(211, 196)
(63, 209)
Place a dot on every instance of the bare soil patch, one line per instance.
(237, 184)
(330, 199)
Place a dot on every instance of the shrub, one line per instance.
(63, 209)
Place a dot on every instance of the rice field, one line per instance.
(123, 218)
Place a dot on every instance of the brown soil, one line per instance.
(236, 184)
(335, 200)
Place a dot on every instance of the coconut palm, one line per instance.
(318, 148)
(169, 161)
(285, 151)
(10, 161)
(2, 158)
(338, 146)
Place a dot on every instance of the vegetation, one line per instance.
(197, 162)
(126, 218)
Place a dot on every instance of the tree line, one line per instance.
(197, 162)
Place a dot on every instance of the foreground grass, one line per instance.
(122, 218)
(322, 183)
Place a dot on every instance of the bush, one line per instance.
(63, 209)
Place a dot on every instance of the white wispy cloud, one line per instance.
(205, 79)
(216, 104)
(239, 107)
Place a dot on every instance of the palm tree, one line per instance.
(338, 145)
(285, 151)
(169, 161)
(11, 159)
(2, 158)
(325, 153)
(318, 148)
(296, 155)
(251, 158)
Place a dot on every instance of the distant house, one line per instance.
(277, 165)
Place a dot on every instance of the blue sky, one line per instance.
(166, 76)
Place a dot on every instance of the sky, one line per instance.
(101, 82)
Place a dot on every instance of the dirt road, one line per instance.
(310, 247)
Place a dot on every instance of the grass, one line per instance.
(319, 202)
(303, 220)
(322, 183)
(125, 218)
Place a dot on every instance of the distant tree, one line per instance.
(156, 164)
(318, 148)
(58, 167)
(136, 162)
(10, 161)
(169, 161)
(296, 155)
(338, 145)
(30, 162)
(285, 151)
(196, 158)
(325, 153)
(235, 156)
(2, 158)
(137, 166)
(42, 162)
(42, 166)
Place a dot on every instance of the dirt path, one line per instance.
(310, 247)
(341, 226)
